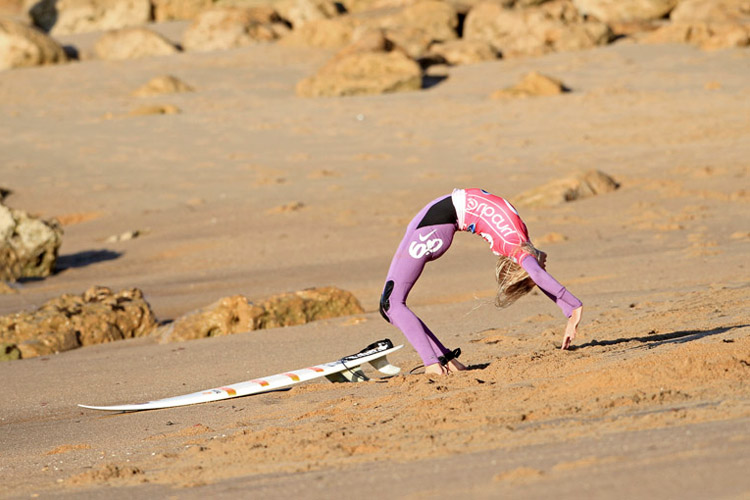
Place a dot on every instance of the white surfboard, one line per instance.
(346, 369)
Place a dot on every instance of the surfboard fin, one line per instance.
(354, 374)
(383, 366)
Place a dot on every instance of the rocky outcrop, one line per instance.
(171, 10)
(457, 52)
(709, 24)
(226, 28)
(64, 17)
(159, 85)
(532, 84)
(577, 187)
(23, 46)
(362, 73)
(236, 314)
(71, 321)
(28, 245)
(132, 43)
(619, 11)
(550, 27)
(711, 11)
(300, 12)
(707, 36)
(332, 33)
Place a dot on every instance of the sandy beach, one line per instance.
(252, 190)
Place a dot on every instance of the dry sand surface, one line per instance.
(252, 190)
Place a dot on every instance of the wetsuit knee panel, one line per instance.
(385, 302)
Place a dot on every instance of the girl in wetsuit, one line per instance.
(520, 266)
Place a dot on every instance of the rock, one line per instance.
(23, 46)
(619, 11)
(705, 35)
(155, 109)
(172, 10)
(11, 8)
(226, 316)
(300, 12)
(9, 352)
(551, 27)
(711, 11)
(226, 28)
(64, 17)
(457, 52)
(583, 185)
(165, 84)
(709, 24)
(236, 314)
(4, 193)
(132, 43)
(363, 73)
(322, 33)
(28, 245)
(532, 84)
(72, 321)
(313, 304)
(437, 20)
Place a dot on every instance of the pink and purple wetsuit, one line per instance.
(430, 234)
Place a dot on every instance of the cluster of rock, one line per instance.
(99, 315)
(28, 245)
(71, 321)
(415, 33)
(236, 314)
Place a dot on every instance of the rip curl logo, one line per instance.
(492, 214)
(425, 245)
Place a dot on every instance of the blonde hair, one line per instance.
(513, 282)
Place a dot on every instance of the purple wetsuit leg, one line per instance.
(419, 246)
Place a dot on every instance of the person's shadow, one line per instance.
(652, 341)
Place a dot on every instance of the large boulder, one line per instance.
(456, 52)
(709, 24)
(299, 12)
(532, 85)
(28, 245)
(132, 43)
(230, 27)
(333, 33)
(236, 314)
(170, 10)
(711, 11)
(550, 27)
(705, 35)
(362, 73)
(23, 46)
(577, 187)
(619, 11)
(437, 20)
(71, 321)
(63, 17)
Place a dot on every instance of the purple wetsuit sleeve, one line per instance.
(551, 288)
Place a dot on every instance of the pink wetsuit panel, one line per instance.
(497, 221)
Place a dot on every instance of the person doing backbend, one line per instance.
(520, 266)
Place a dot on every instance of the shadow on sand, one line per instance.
(652, 341)
(85, 258)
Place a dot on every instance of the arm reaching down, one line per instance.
(551, 288)
(566, 301)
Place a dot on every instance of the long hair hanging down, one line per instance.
(513, 282)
